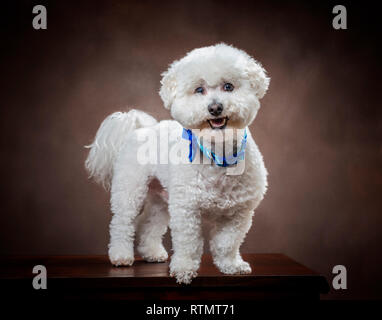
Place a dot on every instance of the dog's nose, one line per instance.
(215, 108)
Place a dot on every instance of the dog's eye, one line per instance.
(199, 90)
(228, 87)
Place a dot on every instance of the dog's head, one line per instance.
(214, 88)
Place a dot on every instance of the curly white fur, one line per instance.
(196, 192)
(108, 141)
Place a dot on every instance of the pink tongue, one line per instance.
(217, 122)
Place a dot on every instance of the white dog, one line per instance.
(210, 92)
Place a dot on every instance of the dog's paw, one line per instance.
(235, 267)
(183, 268)
(121, 256)
(158, 254)
(184, 277)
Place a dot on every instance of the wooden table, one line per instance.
(274, 276)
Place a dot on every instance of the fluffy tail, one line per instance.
(109, 140)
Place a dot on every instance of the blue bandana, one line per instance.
(219, 161)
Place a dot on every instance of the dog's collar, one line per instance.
(219, 161)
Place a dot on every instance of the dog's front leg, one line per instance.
(187, 241)
(227, 235)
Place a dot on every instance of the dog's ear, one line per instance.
(168, 86)
(257, 77)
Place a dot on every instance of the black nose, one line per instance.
(215, 108)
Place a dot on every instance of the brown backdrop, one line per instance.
(319, 127)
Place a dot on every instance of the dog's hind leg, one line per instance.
(128, 192)
(151, 226)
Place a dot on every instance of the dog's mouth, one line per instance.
(218, 123)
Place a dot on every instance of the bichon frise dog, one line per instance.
(213, 94)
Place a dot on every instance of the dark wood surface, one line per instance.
(273, 276)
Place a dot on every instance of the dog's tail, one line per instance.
(108, 141)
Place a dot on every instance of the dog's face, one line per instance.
(214, 88)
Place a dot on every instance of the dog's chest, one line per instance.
(217, 190)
